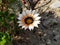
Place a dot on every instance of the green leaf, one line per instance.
(1, 13)
(5, 38)
(12, 1)
(3, 42)
(12, 16)
(5, 14)
(0, 18)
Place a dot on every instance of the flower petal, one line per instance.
(36, 23)
(28, 12)
(37, 18)
(24, 13)
(18, 22)
(20, 15)
(36, 15)
(25, 28)
(19, 18)
(31, 27)
(33, 12)
(20, 25)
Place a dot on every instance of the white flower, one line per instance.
(29, 19)
(56, 4)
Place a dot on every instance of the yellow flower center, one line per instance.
(29, 20)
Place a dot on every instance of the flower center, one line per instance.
(29, 20)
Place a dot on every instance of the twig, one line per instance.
(32, 4)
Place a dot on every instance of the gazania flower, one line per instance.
(29, 19)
